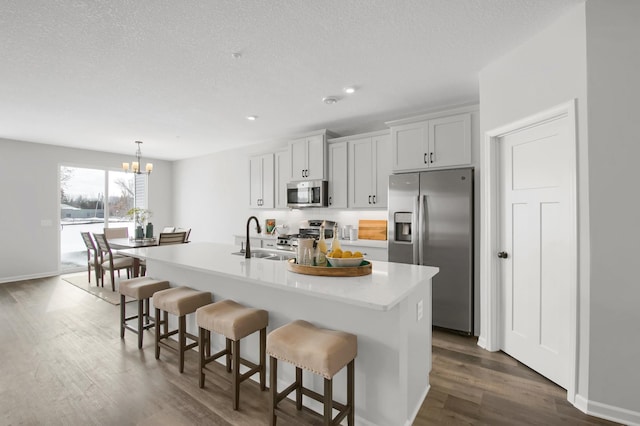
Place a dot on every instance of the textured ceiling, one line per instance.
(102, 74)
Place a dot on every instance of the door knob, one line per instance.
(503, 255)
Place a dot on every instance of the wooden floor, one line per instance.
(63, 363)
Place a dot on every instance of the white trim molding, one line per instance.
(490, 333)
(608, 412)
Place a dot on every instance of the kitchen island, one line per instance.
(389, 311)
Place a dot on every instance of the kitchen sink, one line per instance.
(267, 255)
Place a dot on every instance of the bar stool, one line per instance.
(140, 289)
(321, 351)
(179, 301)
(234, 321)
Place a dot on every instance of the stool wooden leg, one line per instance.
(235, 344)
(157, 327)
(146, 311)
(351, 418)
(140, 318)
(273, 388)
(182, 327)
(263, 358)
(207, 348)
(228, 355)
(122, 316)
(298, 388)
(203, 342)
(165, 315)
(328, 401)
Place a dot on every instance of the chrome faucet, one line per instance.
(247, 253)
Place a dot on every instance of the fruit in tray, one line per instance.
(347, 254)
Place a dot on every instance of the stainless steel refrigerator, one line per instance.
(431, 223)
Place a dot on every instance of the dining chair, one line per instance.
(110, 262)
(93, 259)
(110, 233)
(171, 238)
(187, 232)
(168, 229)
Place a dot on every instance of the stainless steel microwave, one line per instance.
(311, 193)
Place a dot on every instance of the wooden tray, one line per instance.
(330, 271)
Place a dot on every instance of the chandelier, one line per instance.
(135, 165)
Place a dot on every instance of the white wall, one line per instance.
(29, 190)
(613, 61)
(598, 40)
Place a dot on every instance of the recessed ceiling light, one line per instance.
(349, 90)
(329, 100)
(252, 117)
(236, 55)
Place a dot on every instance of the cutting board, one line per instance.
(372, 229)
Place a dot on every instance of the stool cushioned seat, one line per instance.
(180, 301)
(142, 287)
(324, 352)
(231, 319)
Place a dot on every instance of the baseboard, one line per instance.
(413, 416)
(607, 412)
(482, 342)
(28, 277)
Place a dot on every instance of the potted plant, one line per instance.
(140, 217)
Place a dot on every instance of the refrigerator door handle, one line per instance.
(416, 230)
(421, 228)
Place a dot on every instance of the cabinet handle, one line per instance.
(306, 172)
(424, 158)
(431, 157)
(369, 199)
(329, 200)
(374, 199)
(302, 173)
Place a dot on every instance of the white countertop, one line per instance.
(388, 284)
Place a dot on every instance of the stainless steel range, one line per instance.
(308, 229)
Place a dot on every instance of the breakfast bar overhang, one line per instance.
(389, 310)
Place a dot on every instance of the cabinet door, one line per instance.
(410, 146)
(255, 181)
(450, 141)
(261, 181)
(338, 175)
(281, 178)
(267, 182)
(360, 173)
(316, 150)
(298, 159)
(382, 169)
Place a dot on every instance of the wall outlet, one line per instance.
(419, 310)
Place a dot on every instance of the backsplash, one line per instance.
(292, 218)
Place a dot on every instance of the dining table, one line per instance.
(127, 243)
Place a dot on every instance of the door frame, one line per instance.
(490, 283)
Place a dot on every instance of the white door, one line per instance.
(536, 246)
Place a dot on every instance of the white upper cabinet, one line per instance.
(338, 175)
(281, 178)
(369, 170)
(307, 159)
(261, 194)
(437, 142)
